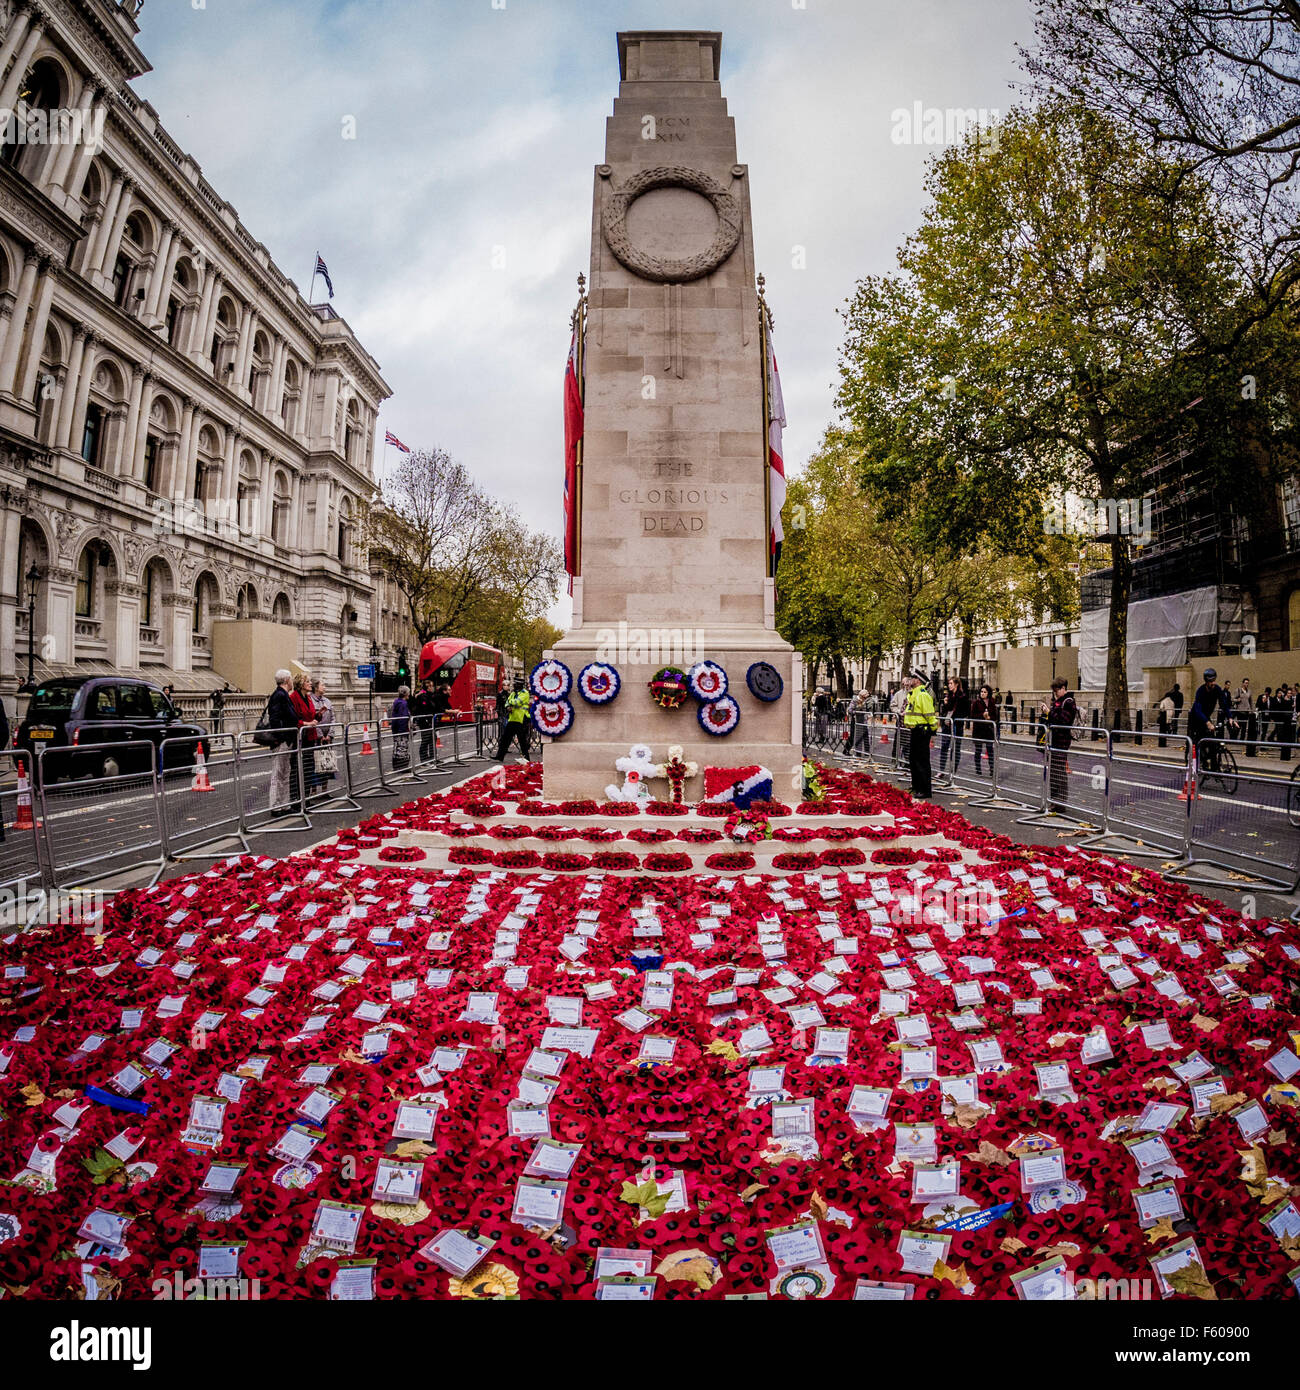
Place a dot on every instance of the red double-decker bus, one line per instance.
(471, 671)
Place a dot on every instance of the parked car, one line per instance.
(73, 715)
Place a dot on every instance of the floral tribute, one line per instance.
(719, 717)
(554, 718)
(598, 683)
(551, 680)
(676, 769)
(707, 680)
(923, 1077)
(669, 688)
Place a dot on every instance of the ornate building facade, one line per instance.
(185, 442)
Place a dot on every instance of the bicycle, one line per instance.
(1217, 767)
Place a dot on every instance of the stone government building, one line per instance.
(185, 442)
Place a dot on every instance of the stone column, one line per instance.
(93, 259)
(142, 426)
(164, 269)
(83, 394)
(17, 32)
(11, 589)
(63, 433)
(18, 326)
(9, 92)
(181, 472)
(230, 487)
(76, 181)
(330, 408)
(57, 170)
(40, 322)
(113, 241)
(245, 353)
(211, 304)
(178, 609)
(126, 448)
(275, 387)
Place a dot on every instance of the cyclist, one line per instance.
(1210, 707)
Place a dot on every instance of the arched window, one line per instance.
(246, 602)
(42, 91)
(289, 400)
(351, 433)
(280, 510)
(86, 567)
(280, 609)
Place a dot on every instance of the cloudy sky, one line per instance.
(477, 125)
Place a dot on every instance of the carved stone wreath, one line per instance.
(614, 224)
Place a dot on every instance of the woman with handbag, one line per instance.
(305, 712)
(327, 763)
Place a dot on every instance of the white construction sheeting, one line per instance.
(1158, 629)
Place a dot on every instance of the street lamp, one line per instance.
(374, 666)
(33, 578)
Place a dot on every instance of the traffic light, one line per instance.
(403, 668)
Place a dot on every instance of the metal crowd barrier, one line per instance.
(271, 783)
(1242, 819)
(90, 835)
(21, 860)
(363, 750)
(1236, 813)
(201, 805)
(1148, 797)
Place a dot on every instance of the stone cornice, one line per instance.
(51, 230)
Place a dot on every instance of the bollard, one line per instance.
(1137, 729)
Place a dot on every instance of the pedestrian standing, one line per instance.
(218, 709)
(1176, 695)
(305, 712)
(919, 722)
(822, 713)
(327, 763)
(400, 718)
(514, 727)
(279, 727)
(985, 722)
(1061, 714)
(955, 710)
(422, 713)
(1165, 718)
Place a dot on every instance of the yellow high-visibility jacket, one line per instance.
(919, 710)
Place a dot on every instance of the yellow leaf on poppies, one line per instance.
(1205, 1024)
(1221, 1103)
(817, 1205)
(1291, 1246)
(1277, 1136)
(690, 1266)
(400, 1212)
(752, 1191)
(720, 1047)
(645, 1195)
(990, 1153)
(415, 1148)
(1162, 1230)
(33, 1094)
(954, 1274)
(1191, 1279)
(968, 1116)
(1010, 1245)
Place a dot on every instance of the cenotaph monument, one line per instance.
(673, 544)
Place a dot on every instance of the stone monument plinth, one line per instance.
(673, 521)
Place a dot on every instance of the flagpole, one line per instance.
(767, 426)
(315, 272)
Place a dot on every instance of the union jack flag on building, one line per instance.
(391, 438)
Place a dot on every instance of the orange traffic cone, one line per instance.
(23, 814)
(1188, 792)
(366, 749)
(200, 782)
